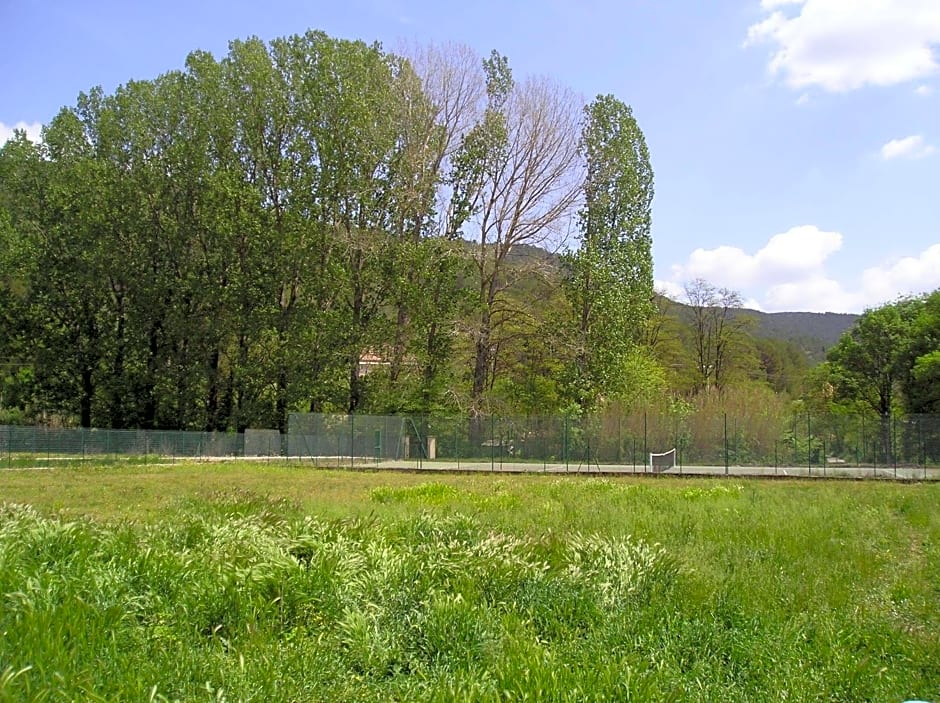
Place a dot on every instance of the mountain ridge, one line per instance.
(813, 332)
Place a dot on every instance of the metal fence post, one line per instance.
(492, 443)
(894, 442)
(858, 437)
(423, 442)
(726, 443)
(824, 461)
(619, 438)
(923, 445)
(809, 446)
(646, 453)
(675, 433)
(565, 443)
(339, 445)
(734, 437)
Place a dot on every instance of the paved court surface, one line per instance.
(907, 473)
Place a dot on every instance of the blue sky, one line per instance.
(796, 143)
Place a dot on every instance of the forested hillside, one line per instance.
(814, 332)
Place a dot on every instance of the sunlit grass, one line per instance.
(246, 582)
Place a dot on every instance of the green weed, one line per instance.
(472, 590)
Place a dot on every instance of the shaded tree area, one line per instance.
(889, 361)
(221, 245)
(316, 224)
(230, 242)
(883, 375)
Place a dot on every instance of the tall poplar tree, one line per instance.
(610, 283)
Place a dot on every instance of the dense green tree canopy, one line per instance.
(889, 359)
(319, 224)
(219, 245)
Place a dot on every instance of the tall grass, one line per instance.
(541, 590)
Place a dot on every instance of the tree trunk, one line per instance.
(280, 405)
(88, 392)
(119, 387)
(212, 403)
(481, 365)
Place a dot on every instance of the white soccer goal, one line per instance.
(663, 462)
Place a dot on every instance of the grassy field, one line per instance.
(238, 582)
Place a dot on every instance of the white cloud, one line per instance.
(771, 4)
(912, 147)
(923, 90)
(733, 266)
(789, 274)
(818, 293)
(33, 131)
(671, 289)
(910, 274)
(841, 45)
(797, 253)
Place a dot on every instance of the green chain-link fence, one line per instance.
(830, 444)
(904, 446)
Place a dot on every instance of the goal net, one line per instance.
(663, 462)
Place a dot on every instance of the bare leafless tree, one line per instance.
(716, 329)
(520, 183)
(453, 81)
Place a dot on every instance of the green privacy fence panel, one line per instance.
(49, 443)
(340, 438)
